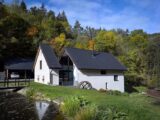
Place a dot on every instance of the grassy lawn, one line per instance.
(137, 106)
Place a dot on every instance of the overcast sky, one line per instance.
(109, 14)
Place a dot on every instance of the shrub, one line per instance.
(102, 90)
(30, 93)
(114, 92)
(111, 114)
(87, 113)
(72, 105)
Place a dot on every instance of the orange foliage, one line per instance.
(32, 31)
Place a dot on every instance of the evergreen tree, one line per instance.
(23, 5)
(51, 14)
(77, 28)
(63, 16)
(15, 2)
(1, 1)
(58, 16)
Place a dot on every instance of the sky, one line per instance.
(108, 14)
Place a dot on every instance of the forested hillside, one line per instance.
(22, 30)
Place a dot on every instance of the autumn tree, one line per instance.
(59, 43)
(106, 41)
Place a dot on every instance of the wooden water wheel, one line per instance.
(85, 85)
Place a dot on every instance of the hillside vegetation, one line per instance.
(22, 30)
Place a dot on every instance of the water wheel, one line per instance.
(85, 85)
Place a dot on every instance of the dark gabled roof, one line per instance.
(19, 64)
(50, 56)
(87, 59)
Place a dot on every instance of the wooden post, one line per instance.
(29, 81)
(7, 77)
(68, 69)
(15, 82)
(25, 77)
(18, 83)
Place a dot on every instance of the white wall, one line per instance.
(55, 74)
(45, 71)
(99, 81)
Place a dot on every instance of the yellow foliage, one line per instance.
(59, 42)
(91, 44)
(79, 45)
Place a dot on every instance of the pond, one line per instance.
(14, 106)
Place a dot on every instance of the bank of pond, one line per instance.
(43, 102)
(14, 106)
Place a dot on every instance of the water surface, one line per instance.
(14, 106)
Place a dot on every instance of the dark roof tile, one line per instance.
(19, 64)
(87, 59)
(50, 56)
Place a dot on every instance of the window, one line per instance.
(40, 64)
(115, 77)
(103, 72)
(38, 77)
(43, 78)
(106, 85)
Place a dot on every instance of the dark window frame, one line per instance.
(103, 72)
(115, 77)
(40, 64)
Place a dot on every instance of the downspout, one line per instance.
(50, 76)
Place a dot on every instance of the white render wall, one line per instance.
(55, 76)
(44, 72)
(99, 81)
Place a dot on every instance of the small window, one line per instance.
(43, 78)
(106, 85)
(115, 77)
(40, 64)
(103, 72)
(38, 77)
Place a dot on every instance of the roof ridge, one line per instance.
(86, 50)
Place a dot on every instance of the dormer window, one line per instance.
(40, 64)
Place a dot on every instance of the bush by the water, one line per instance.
(78, 108)
(87, 113)
(30, 93)
(72, 105)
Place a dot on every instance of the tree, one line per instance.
(51, 15)
(77, 29)
(153, 64)
(58, 43)
(61, 16)
(15, 2)
(3, 11)
(139, 38)
(1, 1)
(106, 41)
(23, 6)
(90, 32)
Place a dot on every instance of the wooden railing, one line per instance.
(13, 83)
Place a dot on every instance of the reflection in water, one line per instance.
(41, 108)
(14, 106)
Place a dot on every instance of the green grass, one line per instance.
(137, 106)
